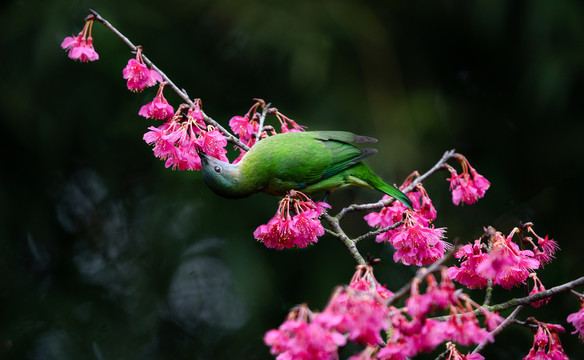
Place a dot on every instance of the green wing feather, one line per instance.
(341, 154)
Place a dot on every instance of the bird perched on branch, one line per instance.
(309, 162)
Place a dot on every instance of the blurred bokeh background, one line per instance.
(108, 255)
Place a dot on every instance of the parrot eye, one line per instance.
(217, 169)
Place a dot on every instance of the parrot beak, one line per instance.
(204, 157)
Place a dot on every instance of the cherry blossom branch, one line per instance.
(382, 203)
(181, 93)
(340, 234)
(378, 231)
(508, 321)
(526, 300)
(541, 295)
(261, 120)
(351, 243)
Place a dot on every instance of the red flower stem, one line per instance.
(181, 93)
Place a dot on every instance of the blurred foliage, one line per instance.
(108, 255)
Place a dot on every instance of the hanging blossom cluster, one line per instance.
(180, 138)
(502, 261)
(546, 342)
(361, 314)
(138, 75)
(469, 186)
(296, 223)
(80, 47)
(412, 234)
(577, 320)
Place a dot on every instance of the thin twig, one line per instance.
(339, 233)
(508, 321)
(542, 295)
(261, 121)
(182, 94)
(378, 231)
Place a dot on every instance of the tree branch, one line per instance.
(181, 93)
(544, 294)
(339, 233)
(508, 321)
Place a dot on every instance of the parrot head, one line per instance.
(220, 176)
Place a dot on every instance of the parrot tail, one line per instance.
(376, 182)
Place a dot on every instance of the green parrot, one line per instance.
(309, 162)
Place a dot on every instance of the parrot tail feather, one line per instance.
(376, 182)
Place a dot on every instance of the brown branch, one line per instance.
(181, 93)
(542, 295)
(378, 231)
(508, 321)
(339, 233)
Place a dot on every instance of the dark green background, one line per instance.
(108, 255)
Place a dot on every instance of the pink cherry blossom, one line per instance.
(286, 123)
(546, 343)
(138, 75)
(492, 319)
(80, 47)
(300, 229)
(184, 157)
(158, 108)
(180, 138)
(308, 226)
(415, 240)
(577, 320)
(537, 288)
(301, 338)
(545, 250)
(388, 216)
(462, 189)
(465, 330)
(360, 314)
(164, 139)
(507, 265)
(469, 186)
(213, 143)
(417, 244)
(472, 255)
(243, 127)
(437, 297)
(278, 233)
(196, 118)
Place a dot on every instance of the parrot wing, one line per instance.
(329, 155)
(298, 160)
